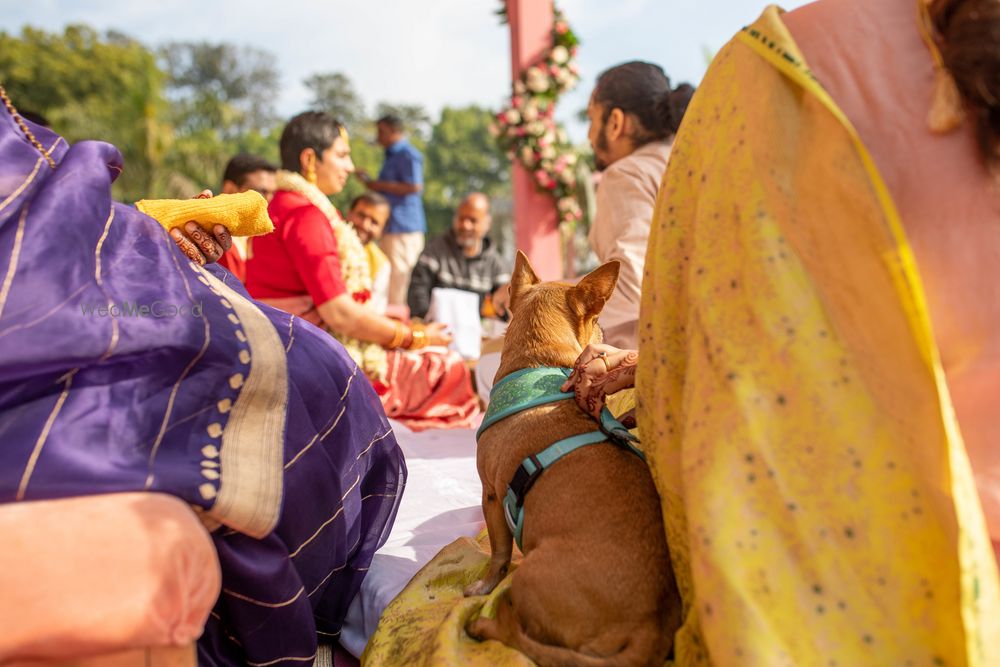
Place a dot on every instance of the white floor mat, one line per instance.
(442, 502)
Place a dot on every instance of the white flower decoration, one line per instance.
(536, 80)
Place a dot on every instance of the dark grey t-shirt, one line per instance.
(442, 264)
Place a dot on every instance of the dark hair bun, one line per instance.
(970, 46)
(670, 107)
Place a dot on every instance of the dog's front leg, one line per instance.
(501, 544)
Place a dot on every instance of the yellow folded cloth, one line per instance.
(243, 214)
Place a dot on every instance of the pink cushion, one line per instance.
(95, 574)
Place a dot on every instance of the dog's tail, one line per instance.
(645, 646)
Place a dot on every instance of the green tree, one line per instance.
(228, 88)
(222, 99)
(334, 93)
(94, 87)
(462, 157)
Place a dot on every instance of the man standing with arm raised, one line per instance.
(401, 180)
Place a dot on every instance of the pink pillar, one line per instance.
(536, 221)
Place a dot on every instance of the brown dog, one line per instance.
(595, 586)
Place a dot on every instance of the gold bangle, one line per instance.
(419, 337)
(399, 333)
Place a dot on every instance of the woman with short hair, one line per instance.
(314, 266)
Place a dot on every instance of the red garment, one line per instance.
(429, 389)
(296, 267)
(299, 257)
(233, 262)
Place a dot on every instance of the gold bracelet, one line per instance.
(419, 337)
(399, 333)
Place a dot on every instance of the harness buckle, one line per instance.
(510, 519)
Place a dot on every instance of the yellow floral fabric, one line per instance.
(818, 501)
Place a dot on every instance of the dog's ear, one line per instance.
(522, 279)
(594, 289)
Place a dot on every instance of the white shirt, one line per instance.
(626, 196)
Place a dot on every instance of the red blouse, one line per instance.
(299, 257)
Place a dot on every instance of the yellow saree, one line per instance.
(816, 494)
(818, 500)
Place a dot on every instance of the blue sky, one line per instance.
(434, 52)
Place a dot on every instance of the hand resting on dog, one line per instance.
(600, 371)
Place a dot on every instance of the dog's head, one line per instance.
(552, 322)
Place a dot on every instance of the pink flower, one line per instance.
(574, 68)
(542, 143)
(541, 177)
(521, 131)
(560, 167)
(553, 69)
(516, 101)
(561, 27)
(551, 185)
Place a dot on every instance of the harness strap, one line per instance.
(531, 468)
(508, 396)
(530, 388)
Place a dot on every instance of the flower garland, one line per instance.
(354, 267)
(526, 129)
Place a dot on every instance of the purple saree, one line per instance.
(123, 366)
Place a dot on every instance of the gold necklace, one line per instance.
(24, 127)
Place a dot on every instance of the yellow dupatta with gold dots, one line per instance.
(818, 501)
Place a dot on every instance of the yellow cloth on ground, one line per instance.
(818, 501)
(243, 214)
(425, 624)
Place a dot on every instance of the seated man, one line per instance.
(245, 172)
(368, 214)
(233, 407)
(462, 258)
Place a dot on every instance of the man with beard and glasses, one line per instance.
(462, 258)
(634, 114)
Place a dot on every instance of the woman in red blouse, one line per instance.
(313, 265)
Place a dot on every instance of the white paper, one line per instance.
(459, 310)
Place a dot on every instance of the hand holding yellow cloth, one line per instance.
(242, 214)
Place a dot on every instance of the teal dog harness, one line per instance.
(530, 388)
